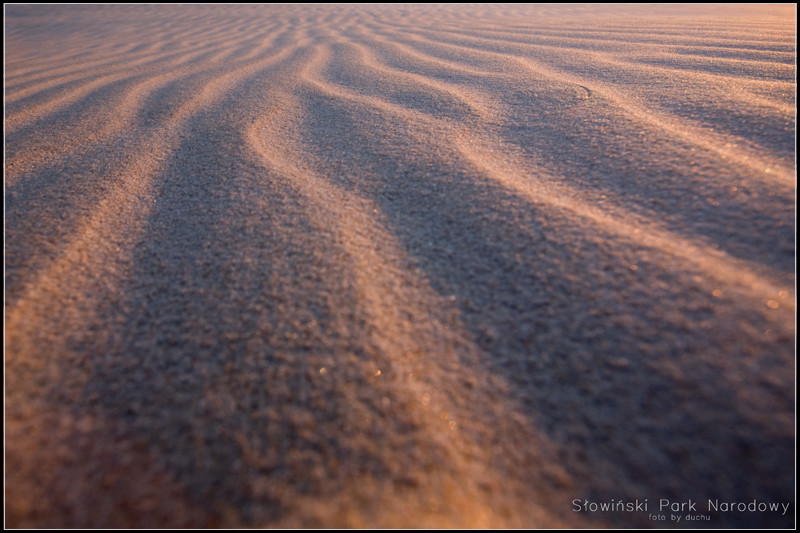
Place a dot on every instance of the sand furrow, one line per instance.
(739, 275)
(102, 121)
(642, 56)
(66, 168)
(124, 105)
(389, 298)
(76, 290)
(742, 93)
(62, 76)
(428, 199)
(210, 50)
(155, 48)
(526, 130)
(487, 155)
(679, 127)
(98, 235)
(406, 319)
(620, 40)
(490, 157)
(32, 112)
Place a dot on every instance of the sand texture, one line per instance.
(350, 266)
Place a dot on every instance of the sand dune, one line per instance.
(339, 266)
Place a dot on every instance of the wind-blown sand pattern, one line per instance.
(351, 266)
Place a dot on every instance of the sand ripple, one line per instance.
(398, 265)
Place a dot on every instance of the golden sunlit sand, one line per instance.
(399, 266)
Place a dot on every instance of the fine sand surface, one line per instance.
(398, 265)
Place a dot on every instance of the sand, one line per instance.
(350, 266)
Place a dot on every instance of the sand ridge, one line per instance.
(274, 266)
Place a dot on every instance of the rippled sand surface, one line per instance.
(353, 266)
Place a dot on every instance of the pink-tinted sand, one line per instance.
(350, 266)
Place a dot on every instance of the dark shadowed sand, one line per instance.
(353, 266)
